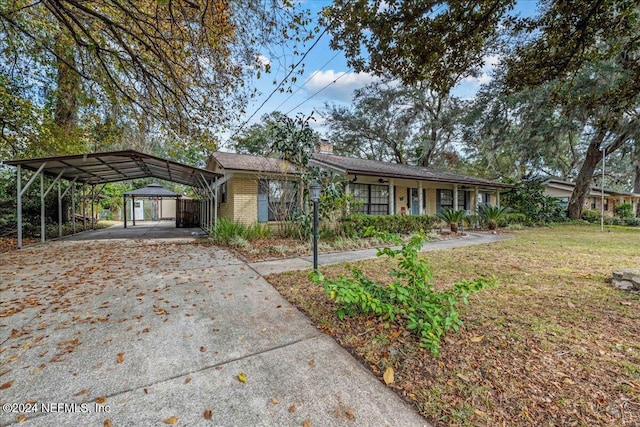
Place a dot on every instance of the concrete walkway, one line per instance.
(145, 332)
(289, 264)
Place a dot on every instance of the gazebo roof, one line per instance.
(152, 190)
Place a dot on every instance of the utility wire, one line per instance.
(282, 81)
(307, 81)
(323, 88)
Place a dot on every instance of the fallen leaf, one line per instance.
(187, 380)
(22, 418)
(100, 400)
(477, 339)
(463, 378)
(274, 401)
(570, 305)
(292, 409)
(83, 391)
(479, 412)
(120, 358)
(388, 376)
(312, 363)
(6, 385)
(242, 377)
(107, 423)
(203, 349)
(145, 330)
(350, 415)
(208, 414)
(306, 423)
(171, 420)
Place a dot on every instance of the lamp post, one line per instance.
(603, 149)
(314, 193)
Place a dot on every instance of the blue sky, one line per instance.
(327, 71)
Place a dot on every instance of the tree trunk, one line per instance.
(583, 181)
(68, 86)
(636, 181)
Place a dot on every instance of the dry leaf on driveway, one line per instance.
(388, 376)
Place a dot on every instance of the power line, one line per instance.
(282, 81)
(316, 93)
(307, 81)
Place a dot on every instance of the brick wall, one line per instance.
(245, 199)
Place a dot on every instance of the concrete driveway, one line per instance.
(151, 332)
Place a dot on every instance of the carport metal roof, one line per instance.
(101, 168)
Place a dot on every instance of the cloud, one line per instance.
(486, 73)
(337, 85)
(263, 61)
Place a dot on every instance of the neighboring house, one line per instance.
(562, 191)
(260, 189)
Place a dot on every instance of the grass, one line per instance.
(559, 344)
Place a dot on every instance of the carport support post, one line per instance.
(93, 189)
(133, 209)
(73, 206)
(59, 208)
(124, 209)
(84, 208)
(42, 225)
(19, 202)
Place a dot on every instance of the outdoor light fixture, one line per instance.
(314, 194)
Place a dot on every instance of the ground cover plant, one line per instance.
(552, 343)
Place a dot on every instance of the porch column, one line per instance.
(392, 198)
(420, 200)
(498, 197)
(455, 197)
(347, 190)
(476, 203)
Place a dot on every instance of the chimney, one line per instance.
(325, 147)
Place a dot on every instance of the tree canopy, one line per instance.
(153, 66)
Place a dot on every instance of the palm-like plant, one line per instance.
(452, 217)
(491, 215)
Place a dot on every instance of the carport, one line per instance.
(97, 169)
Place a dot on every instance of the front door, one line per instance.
(415, 202)
(138, 210)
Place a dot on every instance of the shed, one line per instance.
(152, 202)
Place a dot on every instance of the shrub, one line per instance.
(528, 198)
(452, 217)
(625, 210)
(355, 225)
(592, 216)
(490, 215)
(409, 300)
(227, 231)
(513, 218)
(632, 221)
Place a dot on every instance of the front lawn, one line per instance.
(552, 344)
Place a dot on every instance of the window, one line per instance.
(373, 199)
(593, 203)
(606, 204)
(463, 200)
(223, 193)
(277, 200)
(444, 199)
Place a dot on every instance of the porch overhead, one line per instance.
(365, 167)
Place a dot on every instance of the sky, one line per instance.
(328, 79)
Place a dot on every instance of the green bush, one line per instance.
(355, 225)
(632, 221)
(513, 218)
(409, 300)
(227, 231)
(528, 198)
(592, 216)
(624, 210)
